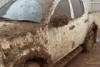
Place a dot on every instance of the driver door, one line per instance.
(57, 33)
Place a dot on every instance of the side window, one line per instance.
(78, 8)
(3, 2)
(61, 14)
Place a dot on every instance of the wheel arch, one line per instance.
(90, 38)
(41, 57)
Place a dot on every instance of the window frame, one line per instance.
(72, 9)
(55, 9)
(69, 7)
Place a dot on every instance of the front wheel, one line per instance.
(32, 64)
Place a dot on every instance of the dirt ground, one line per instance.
(89, 59)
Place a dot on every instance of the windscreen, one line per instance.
(25, 10)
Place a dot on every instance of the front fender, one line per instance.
(37, 53)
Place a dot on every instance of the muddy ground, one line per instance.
(89, 59)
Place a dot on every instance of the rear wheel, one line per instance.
(90, 40)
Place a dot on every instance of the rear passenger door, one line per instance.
(80, 22)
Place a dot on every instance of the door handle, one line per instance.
(86, 20)
(72, 27)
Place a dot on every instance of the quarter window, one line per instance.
(78, 8)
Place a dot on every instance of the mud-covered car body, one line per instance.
(48, 41)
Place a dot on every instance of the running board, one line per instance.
(68, 58)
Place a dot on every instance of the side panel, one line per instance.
(63, 40)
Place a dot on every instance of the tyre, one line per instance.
(32, 64)
(89, 42)
(90, 39)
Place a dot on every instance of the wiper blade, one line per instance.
(27, 21)
(2, 18)
(7, 19)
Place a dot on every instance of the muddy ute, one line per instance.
(44, 33)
